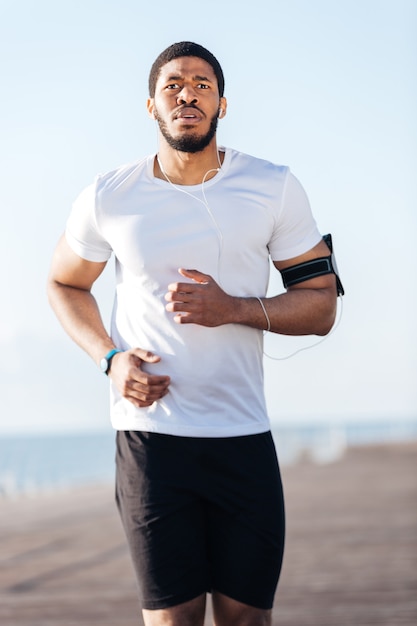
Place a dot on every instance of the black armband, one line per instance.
(311, 269)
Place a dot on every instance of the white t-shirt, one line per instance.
(250, 210)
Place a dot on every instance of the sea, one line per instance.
(30, 465)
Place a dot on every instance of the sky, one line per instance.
(328, 88)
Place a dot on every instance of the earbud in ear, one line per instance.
(220, 113)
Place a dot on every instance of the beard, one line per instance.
(190, 143)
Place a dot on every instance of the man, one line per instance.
(192, 229)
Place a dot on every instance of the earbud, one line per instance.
(220, 113)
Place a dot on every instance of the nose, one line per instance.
(187, 95)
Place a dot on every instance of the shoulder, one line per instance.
(241, 160)
(122, 176)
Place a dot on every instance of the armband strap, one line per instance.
(311, 269)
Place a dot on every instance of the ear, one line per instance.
(150, 105)
(222, 107)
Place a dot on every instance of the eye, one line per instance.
(173, 86)
(202, 86)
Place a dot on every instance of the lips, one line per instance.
(188, 113)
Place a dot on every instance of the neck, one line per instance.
(185, 168)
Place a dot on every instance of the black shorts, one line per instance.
(201, 514)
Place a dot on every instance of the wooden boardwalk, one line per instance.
(351, 556)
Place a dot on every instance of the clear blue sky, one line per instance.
(328, 88)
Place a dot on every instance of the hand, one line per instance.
(201, 301)
(139, 387)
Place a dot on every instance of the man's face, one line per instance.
(186, 103)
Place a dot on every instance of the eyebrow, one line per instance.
(180, 77)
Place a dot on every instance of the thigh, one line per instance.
(164, 520)
(189, 613)
(228, 612)
(247, 523)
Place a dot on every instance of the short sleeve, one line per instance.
(295, 230)
(82, 231)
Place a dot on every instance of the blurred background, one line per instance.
(325, 87)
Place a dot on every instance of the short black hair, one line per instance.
(185, 49)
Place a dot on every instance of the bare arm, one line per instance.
(69, 290)
(306, 308)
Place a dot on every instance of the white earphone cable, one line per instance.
(205, 203)
(314, 345)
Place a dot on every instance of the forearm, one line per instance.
(78, 312)
(296, 312)
(299, 311)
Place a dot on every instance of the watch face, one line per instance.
(104, 365)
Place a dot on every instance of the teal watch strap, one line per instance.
(106, 360)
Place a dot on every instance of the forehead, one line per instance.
(187, 67)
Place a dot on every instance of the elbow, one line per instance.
(52, 293)
(327, 320)
(325, 330)
(50, 288)
(55, 292)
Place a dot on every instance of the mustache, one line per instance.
(187, 106)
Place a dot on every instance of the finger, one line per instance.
(181, 288)
(139, 377)
(145, 355)
(195, 275)
(142, 400)
(176, 296)
(141, 390)
(176, 302)
(135, 372)
(143, 395)
(183, 318)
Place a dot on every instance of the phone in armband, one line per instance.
(311, 269)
